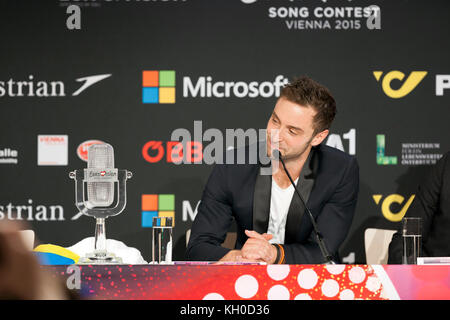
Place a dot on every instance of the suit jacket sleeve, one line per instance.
(425, 205)
(213, 219)
(333, 221)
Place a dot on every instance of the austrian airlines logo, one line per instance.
(40, 88)
(89, 81)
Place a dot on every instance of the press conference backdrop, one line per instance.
(130, 73)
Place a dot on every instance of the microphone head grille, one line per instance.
(101, 156)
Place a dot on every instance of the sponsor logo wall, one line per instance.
(184, 78)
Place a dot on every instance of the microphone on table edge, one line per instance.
(276, 154)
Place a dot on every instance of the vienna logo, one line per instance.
(409, 84)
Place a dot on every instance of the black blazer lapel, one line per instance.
(261, 202)
(305, 184)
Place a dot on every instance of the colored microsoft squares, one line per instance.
(166, 95)
(166, 202)
(150, 79)
(157, 205)
(167, 79)
(149, 202)
(158, 86)
(150, 95)
(147, 218)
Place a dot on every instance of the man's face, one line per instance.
(290, 129)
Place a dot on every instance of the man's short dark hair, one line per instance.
(307, 92)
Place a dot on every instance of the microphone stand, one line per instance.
(328, 258)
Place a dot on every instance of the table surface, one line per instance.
(259, 282)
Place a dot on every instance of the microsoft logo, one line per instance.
(157, 205)
(158, 86)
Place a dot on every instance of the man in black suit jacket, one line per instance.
(276, 228)
(432, 204)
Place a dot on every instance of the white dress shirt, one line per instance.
(280, 201)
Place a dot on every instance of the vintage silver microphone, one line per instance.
(96, 188)
(100, 194)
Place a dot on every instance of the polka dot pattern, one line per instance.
(213, 296)
(278, 292)
(357, 274)
(307, 279)
(278, 271)
(346, 294)
(330, 288)
(229, 282)
(303, 296)
(246, 286)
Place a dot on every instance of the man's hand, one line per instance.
(257, 247)
(21, 276)
(236, 256)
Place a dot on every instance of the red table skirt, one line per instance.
(258, 282)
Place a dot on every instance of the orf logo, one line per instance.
(408, 85)
(82, 150)
(386, 209)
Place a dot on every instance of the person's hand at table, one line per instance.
(258, 248)
(235, 256)
(21, 275)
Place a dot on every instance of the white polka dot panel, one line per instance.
(330, 288)
(278, 292)
(307, 279)
(213, 296)
(278, 271)
(357, 274)
(246, 286)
